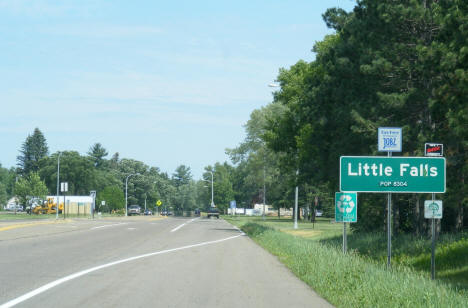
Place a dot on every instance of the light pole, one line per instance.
(58, 184)
(212, 192)
(264, 192)
(296, 197)
(126, 195)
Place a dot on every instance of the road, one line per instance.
(142, 262)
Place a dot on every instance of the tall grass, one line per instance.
(350, 280)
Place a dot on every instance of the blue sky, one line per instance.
(163, 82)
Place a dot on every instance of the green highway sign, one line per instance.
(392, 174)
(345, 207)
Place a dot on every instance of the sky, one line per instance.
(163, 82)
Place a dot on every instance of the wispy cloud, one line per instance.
(102, 30)
(40, 7)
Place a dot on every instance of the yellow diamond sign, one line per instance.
(158, 203)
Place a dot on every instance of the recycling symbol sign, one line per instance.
(345, 207)
(433, 209)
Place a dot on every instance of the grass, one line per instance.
(8, 216)
(360, 278)
(22, 216)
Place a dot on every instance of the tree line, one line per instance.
(36, 177)
(388, 64)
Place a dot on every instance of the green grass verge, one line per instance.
(349, 280)
(23, 216)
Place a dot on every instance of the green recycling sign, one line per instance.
(345, 207)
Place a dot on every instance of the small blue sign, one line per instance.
(389, 139)
(232, 204)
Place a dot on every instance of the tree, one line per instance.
(32, 151)
(113, 196)
(75, 169)
(30, 187)
(97, 154)
(256, 164)
(185, 193)
(388, 64)
(7, 179)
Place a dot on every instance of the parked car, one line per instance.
(134, 210)
(318, 213)
(213, 212)
(148, 212)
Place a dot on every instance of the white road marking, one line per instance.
(131, 229)
(57, 282)
(105, 226)
(177, 228)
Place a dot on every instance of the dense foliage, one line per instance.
(389, 63)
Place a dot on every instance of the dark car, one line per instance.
(148, 212)
(134, 210)
(213, 212)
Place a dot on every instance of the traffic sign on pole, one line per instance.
(433, 209)
(392, 174)
(389, 139)
(345, 207)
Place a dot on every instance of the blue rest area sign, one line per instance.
(345, 207)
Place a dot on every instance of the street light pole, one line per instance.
(264, 193)
(126, 195)
(58, 184)
(296, 197)
(212, 191)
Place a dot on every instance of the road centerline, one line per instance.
(105, 226)
(178, 227)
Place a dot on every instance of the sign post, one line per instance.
(433, 211)
(389, 140)
(158, 204)
(93, 205)
(345, 211)
(233, 205)
(64, 189)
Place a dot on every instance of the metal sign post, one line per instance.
(233, 206)
(93, 205)
(389, 140)
(433, 244)
(345, 211)
(433, 211)
(64, 189)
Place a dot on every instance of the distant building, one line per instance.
(12, 204)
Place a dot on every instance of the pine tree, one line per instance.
(33, 149)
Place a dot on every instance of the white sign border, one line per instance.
(400, 135)
(399, 192)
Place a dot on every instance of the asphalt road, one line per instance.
(142, 262)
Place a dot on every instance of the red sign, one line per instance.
(434, 149)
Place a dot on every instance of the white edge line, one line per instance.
(105, 226)
(178, 227)
(57, 282)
